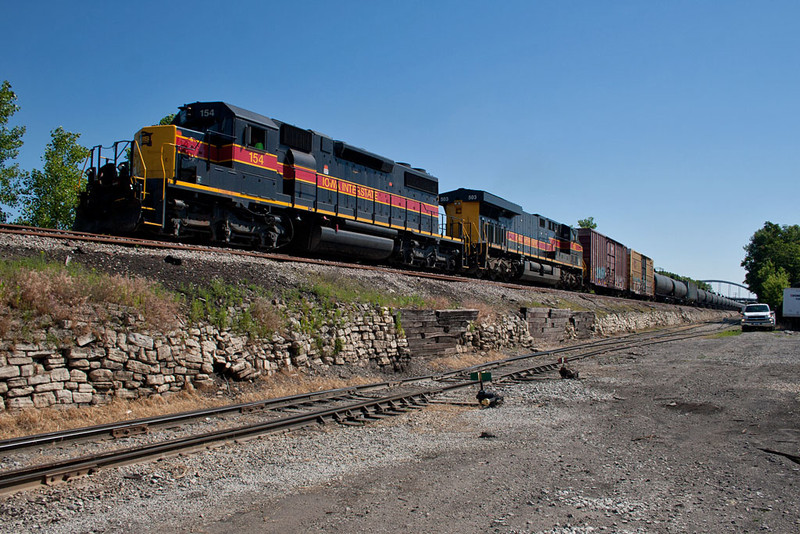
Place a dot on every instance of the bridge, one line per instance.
(732, 290)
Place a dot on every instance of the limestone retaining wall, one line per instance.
(91, 363)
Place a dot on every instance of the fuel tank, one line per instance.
(336, 242)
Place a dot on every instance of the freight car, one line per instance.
(223, 174)
(606, 262)
(641, 275)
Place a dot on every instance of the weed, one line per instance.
(398, 325)
(224, 306)
(727, 333)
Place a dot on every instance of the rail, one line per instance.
(353, 408)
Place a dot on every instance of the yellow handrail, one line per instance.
(138, 152)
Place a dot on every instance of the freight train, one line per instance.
(222, 174)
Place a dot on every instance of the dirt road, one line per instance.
(664, 439)
(661, 439)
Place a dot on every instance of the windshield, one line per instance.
(756, 308)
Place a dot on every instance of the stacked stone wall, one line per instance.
(90, 362)
(435, 332)
(552, 324)
(94, 363)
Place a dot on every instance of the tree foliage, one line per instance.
(587, 223)
(772, 256)
(10, 143)
(775, 280)
(51, 195)
(167, 119)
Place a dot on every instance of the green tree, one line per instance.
(587, 223)
(10, 143)
(775, 279)
(776, 245)
(51, 195)
(167, 119)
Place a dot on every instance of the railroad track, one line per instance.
(349, 406)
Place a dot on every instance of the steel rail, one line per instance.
(65, 470)
(141, 425)
(357, 412)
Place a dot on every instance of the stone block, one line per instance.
(123, 375)
(82, 398)
(148, 356)
(100, 375)
(43, 400)
(76, 375)
(140, 340)
(9, 371)
(54, 362)
(138, 367)
(63, 396)
(19, 392)
(111, 365)
(81, 364)
(85, 339)
(19, 403)
(155, 380)
(51, 386)
(60, 374)
(117, 355)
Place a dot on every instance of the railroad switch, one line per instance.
(486, 398)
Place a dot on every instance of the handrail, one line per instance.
(137, 149)
(164, 184)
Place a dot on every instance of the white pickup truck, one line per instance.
(757, 316)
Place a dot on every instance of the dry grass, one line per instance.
(59, 292)
(265, 315)
(38, 421)
(460, 361)
(485, 310)
(439, 302)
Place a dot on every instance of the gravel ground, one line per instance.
(202, 267)
(662, 439)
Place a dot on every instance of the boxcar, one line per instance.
(606, 261)
(640, 269)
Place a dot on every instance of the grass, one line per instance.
(243, 309)
(37, 421)
(35, 289)
(460, 361)
(728, 333)
(330, 289)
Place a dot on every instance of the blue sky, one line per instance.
(674, 124)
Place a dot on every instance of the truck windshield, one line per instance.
(757, 308)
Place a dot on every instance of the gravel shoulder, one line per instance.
(662, 439)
